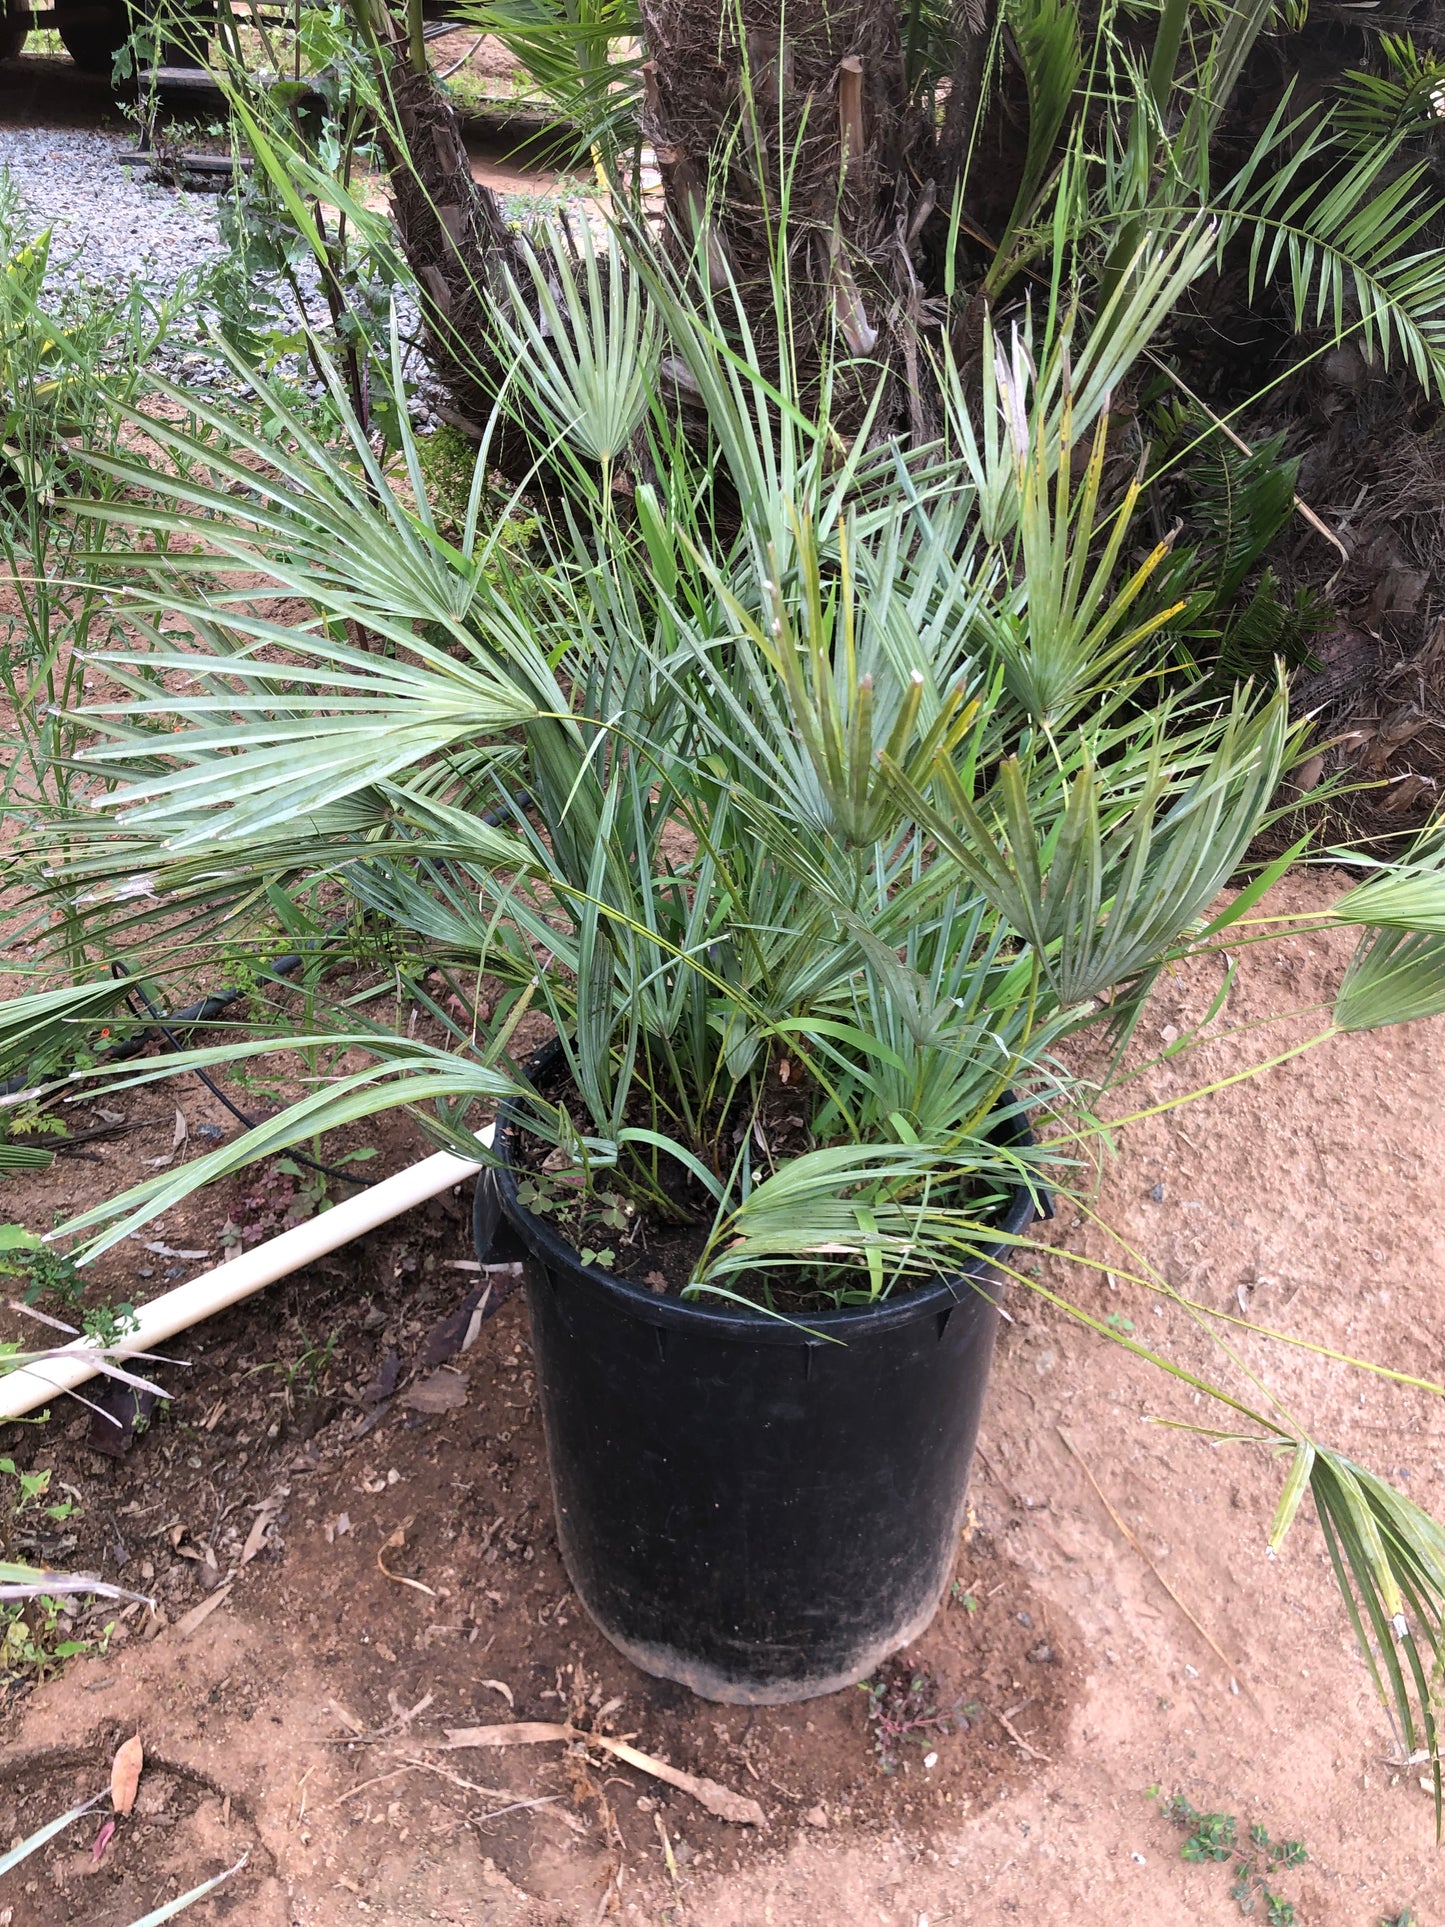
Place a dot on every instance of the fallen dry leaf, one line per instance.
(188, 1623)
(256, 1537)
(442, 1392)
(447, 1337)
(384, 1384)
(720, 1800)
(116, 1411)
(125, 1773)
(266, 1513)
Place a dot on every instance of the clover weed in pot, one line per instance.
(814, 809)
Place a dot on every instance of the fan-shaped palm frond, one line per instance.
(1407, 895)
(1394, 977)
(1389, 1562)
(588, 358)
(1138, 852)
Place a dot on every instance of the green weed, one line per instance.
(1255, 1860)
(448, 465)
(308, 1372)
(53, 1280)
(32, 1488)
(903, 1707)
(35, 1638)
(37, 1634)
(579, 1212)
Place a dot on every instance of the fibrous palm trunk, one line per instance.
(784, 130)
(452, 229)
(787, 132)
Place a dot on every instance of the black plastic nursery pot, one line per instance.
(759, 1512)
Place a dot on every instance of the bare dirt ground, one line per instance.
(405, 1578)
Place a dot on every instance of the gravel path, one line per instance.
(111, 227)
(110, 224)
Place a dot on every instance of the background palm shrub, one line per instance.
(866, 760)
(921, 167)
(877, 757)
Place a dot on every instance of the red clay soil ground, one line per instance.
(404, 1576)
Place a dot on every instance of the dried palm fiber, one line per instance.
(740, 99)
(452, 230)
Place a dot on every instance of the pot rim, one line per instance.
(738, 1322)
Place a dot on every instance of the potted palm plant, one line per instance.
(813, 797)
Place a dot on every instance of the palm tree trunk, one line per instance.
(787, 135)
(786, 132)
(452, 230)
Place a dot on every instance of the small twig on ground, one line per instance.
(604, 1905)
(669, 1858)
(377, 1779)
(394, 1728)
(471, 1786)
(717, 1799)
(516, 1802)
(398, 1539)
(1018, 1739)
(1203, 1632)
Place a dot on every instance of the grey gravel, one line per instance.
(110, 224)
(111, 228)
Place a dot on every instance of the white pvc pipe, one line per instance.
(175, 1311)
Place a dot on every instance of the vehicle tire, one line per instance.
(14, 26)
(93, 33)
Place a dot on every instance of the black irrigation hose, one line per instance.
(326, 1170)
(207, 1009)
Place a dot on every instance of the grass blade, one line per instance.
(46, 1833)
(182, 1901)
